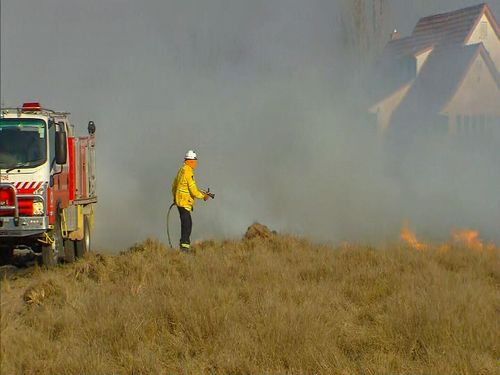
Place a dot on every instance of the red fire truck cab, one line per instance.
(47, 184)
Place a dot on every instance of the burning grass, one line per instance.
(273, 304)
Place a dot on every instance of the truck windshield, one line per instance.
(22, 143)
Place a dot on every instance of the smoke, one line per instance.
(264, 91)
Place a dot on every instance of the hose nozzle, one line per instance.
(211, 195)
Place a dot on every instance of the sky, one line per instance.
(261, 89)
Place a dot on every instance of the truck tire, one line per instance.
(83, 245)
(49, 258)
(69, 251)
(52, 252)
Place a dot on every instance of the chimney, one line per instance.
(395, 35)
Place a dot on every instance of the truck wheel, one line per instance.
(51, 253)
(49, 257)
(69, 251)
(83, 245)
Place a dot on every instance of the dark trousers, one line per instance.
(186, 226)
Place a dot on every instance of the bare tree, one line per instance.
(364, 26)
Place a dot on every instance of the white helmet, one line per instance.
(190, 155)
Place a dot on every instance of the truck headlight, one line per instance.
(38, 209)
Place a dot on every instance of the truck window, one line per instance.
(23, 142)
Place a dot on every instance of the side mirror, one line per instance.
(91, 128)
(61, 148)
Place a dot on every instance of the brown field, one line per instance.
(280, 305)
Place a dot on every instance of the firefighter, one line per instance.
(184, 192)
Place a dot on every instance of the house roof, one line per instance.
(452, 27)
(381, 99)
(386, 80)
(440, 78)
(404, 47)
(446, 28)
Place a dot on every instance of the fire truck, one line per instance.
(47, 184)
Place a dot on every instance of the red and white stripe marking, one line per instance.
(27, 187)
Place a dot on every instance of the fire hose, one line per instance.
(211, 195)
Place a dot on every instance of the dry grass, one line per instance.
(262, 306)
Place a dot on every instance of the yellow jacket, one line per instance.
(184, 189)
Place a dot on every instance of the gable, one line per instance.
(437, 82)
(478, 93)
(450, 27)
(386, 107)
(422, 58)
(485, 32)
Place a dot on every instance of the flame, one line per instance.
(491, 248)
(468, 238)
(411, 239)
(444, 248)
(465, 238)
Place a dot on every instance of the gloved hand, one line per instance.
(206, 197)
